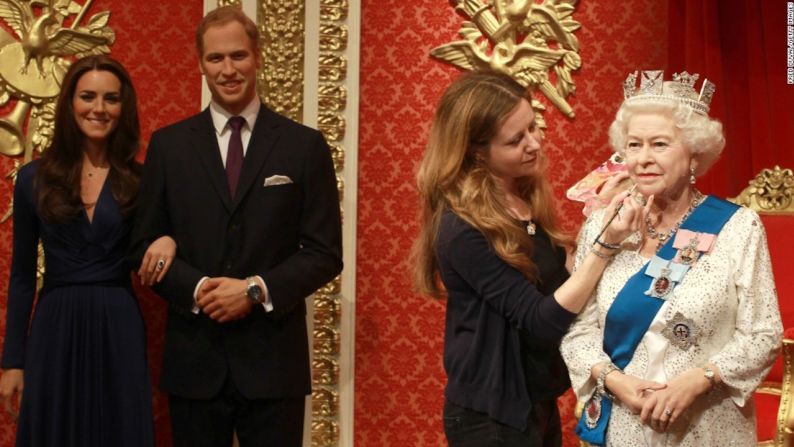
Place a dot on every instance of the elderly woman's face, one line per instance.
(656, 158)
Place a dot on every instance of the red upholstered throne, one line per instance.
(771, 194)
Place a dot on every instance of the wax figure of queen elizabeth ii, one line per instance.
(688, 302)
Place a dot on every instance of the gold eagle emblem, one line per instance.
(522, 38)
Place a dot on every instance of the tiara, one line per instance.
(653, 87)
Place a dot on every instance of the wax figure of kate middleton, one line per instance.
(688, 302)
(489, 235)
(81, 360)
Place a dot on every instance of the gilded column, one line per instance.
(282, 32)
(332, 102)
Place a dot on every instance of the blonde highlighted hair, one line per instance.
(453, 175)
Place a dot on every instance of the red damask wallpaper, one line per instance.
(399, 376)
(154, 40)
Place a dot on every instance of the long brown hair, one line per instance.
(58, 175)
(452, 176)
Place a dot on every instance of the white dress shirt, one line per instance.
(220, 121)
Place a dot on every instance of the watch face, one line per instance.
(254, 292)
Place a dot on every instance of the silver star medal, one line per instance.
(681, 331)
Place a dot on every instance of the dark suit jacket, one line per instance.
(290, 234)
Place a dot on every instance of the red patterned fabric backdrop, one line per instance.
(399, 376)
(154, 40)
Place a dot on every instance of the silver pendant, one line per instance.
(531, 228)
(681, 331)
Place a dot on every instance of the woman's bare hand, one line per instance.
(157, 260)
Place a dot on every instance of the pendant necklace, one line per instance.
(531, 227)
(662, 237)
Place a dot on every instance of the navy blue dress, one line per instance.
(84, 351)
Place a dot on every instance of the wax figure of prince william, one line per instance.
(250, 198)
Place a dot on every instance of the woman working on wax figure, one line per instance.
(82, 358)
(688, 302)
(487, 232)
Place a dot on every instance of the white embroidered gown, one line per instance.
(730, 296)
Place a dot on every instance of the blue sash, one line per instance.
(633, 310)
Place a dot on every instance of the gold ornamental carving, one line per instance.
(784, 433)
(281, 35)
(770, 192)
(531, 42)
(280, 85)
(332, 103)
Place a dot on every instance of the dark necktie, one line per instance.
(234, 157)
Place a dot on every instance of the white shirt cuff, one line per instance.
(195, 308)
(267, 304)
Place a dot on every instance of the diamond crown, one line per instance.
(653, 87)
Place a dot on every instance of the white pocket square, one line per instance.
(277, 180)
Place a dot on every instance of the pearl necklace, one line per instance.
(661, 238)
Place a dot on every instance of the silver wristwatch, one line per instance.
(708, 373)
(601, 387)
(253, 291)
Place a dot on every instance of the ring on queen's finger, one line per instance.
(668, 412)
(161, 264)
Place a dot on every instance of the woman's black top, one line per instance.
(544, 370)
(496, 320)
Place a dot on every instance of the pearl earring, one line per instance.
(692, 179)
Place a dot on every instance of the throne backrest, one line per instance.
(771, 194)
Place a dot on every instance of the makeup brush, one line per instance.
(617, 211)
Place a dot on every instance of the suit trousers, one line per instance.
(468, 428)
(257, 422)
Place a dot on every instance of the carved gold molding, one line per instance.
(522, 38)
(332, 102)
(281, 41)
(280, 84)
(770, 192)
(784, 435)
